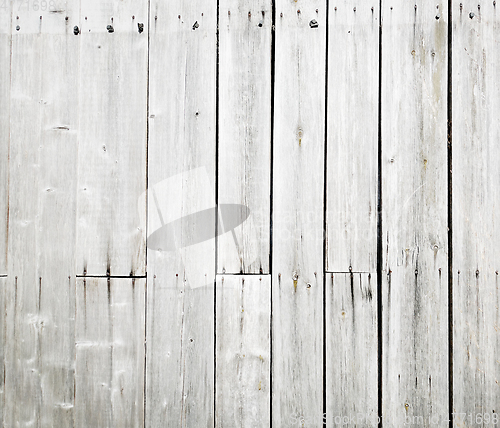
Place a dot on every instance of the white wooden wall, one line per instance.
(360, 138)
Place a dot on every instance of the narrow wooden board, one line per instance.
(351, 349)
(352, 171)
(243, 384)
(298, 177)
(110, 333)
(414, 223)
(39, 353)
(3, 328)
(476, 218)
(113, 138)
(245, 132)
(181, 173)
(5, 76)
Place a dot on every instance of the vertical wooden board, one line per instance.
(351, 348)
(476, 220)
(353, 65)
(5, 40)
(110, 332)
(299, 134)
(113, 138)
(243, 384)
(414, 198)
(39, 297)
(181, 174)
(244, 134)
(3, 327)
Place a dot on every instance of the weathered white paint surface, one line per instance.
(414, 198)
(39, 294)
(352, 171)
(245, 131)
(297, 259)
(5, 41)
(74, 133)
(351, 331)
(476, 218)
(243, 348)
(112, 137)
(109, 352)
(180, 324)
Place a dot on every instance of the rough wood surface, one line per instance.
(39, 369)
(245, 131)
(5, 73)
(110, 332)
(112, 138)
(476, 218)
(181, 173)
(243, 383)
(351, 349)
(297, 259)
(353, 60)
(414, 197)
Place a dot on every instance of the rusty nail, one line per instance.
(298, 11)
(229, 12)
(133, 16)
(140, 27)
(354, 9)
(76, 30)
(66, 18)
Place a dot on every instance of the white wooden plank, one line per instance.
(297, 349)
(5, 41)
(112, 142)
(110, 333)
(476, 220)
(352, 170)
(243, 383)
(181, 174)
(3, 327)
(414, 197)
(245, 133)
(39, 350)
(351, 348)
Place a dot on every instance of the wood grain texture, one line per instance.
(243, 383)
(352, 170)
(351, 348)
(297, 287)
(5, 42)
(245, 131)
(110, 332)
(476, 220)
(112, 140)
(414, 223)
(39, 353)
(181, 173)
(3, 327)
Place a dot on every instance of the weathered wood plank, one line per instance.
(39, 354)
(351, 348)
(245, 132)
(414, 197)
(110, 332)
(181, 173)
(112, 141)
(3, 327)
(297, 260)
(243, 383)
(351, 218)
(5, 41)
(476, 218)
